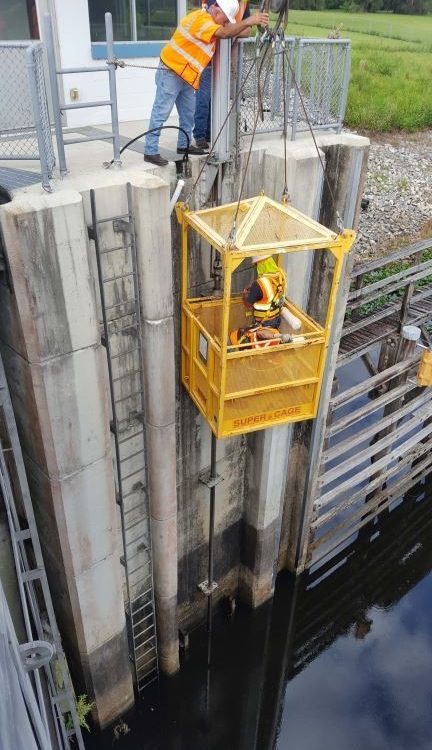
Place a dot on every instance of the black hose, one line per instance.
(155, 130)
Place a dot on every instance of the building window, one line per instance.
(133, 20)
(18, 20)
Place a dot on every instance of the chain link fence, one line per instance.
(315, 85)
(25, 131)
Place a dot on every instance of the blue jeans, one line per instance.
(203, 106)
(170, 90)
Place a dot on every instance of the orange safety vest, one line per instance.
(188, 52)
(272, 286)
(242, 8)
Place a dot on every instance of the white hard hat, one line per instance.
(257, 258)
(230, 8)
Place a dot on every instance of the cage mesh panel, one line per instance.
(17, 123)
(238, 408)
(222, 221)
(272, 368)
(273, 225)
(321, 82)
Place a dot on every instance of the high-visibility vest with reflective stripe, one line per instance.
(241, 12)
(272, 286)
(187, 55)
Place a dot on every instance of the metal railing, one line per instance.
(316, 86)
(58, 107)
(25, 132)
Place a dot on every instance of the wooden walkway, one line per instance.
(404, 297)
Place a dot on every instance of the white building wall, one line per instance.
(135, 87)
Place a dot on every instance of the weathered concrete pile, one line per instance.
(50, 342)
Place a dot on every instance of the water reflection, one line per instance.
(341, 659)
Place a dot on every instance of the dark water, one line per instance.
(340, 659)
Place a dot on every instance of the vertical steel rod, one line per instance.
(55, 98)
(112, 88)
(212, 510)
(210, 565)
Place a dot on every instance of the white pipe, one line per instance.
(291, 319)
(175, 195)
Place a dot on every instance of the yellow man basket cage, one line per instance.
(247, 384)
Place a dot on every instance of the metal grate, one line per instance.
(25, 131)
(121, 312)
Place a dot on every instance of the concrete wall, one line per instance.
(135, 87)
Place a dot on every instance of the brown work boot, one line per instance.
(156, 159)
(202, 143)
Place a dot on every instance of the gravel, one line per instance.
(399, 190)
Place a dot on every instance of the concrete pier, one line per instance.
(55, 368)
(50, 341)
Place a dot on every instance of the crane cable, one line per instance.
(230, 109)
(232, 234)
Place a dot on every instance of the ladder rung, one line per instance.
(136, 624)
(113, 218)
(136, 523)
(23, 534)
(137, 453)
(134, 507)
(135, 570)
(118, 276)
(126, 246)
(132, 415)
(125, 398)
(126, 375)
(32, 575)
(144, 643)
(135, 434)
(132, 492)
(136, 599)
(128, 476)
(123, 354)
(142, 607)
(143, 656)
(132, 300)
(149, 682)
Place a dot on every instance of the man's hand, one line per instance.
(231, 30)
(258, 19)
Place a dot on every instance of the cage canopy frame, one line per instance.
(261, 225)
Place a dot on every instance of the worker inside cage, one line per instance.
(264, 301)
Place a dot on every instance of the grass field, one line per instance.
(391, 66)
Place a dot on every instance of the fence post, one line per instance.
(345, 82)
(220, 99)
(296, 93)
(112, 88)
(52, 69)
(31, 68)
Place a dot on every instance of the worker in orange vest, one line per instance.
(182, 62)
(201, 131)
(264, 299)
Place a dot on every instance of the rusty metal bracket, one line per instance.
(209, 481)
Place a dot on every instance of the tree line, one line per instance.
(411, 7)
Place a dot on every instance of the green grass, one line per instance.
(391, 66)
